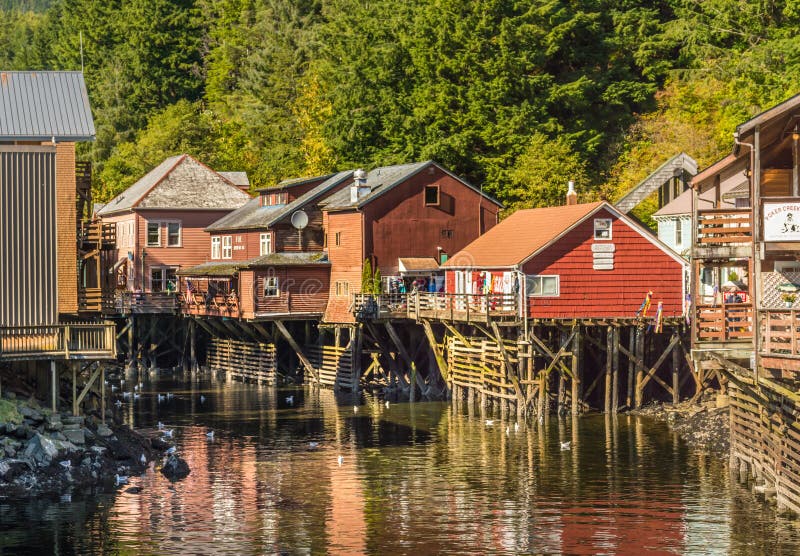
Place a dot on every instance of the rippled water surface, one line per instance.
(412, 479)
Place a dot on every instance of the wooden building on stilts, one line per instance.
(49, 248)
(745, 284)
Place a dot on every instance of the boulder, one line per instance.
(175, 468)
(104, 430)
(53, 422)
(31, 414)
(74, 436)
(10, 469)
(41, 449)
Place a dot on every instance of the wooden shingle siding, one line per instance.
(639, 266)
(28, 235)
(66, 226)
(346, 260)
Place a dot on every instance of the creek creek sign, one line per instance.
(781, 222)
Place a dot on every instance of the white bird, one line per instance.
(565, 445)
(122, 382)
(118, 403)
(167, 433)
(160, 426)
(121, 479)
(210, 435)
(126, 395)
(355, 409)
(114, 388)
(508, 430)
(171, 450)
(66, 464)
(387, 404)
(143, 459)
(135, 387)
(516, 427)
(202, 398)
(290, 400)
(141, 384)
(161, 398)
(313, 445)
(489, 422)
(340, 459)
(66, 497)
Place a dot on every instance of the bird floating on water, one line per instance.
(313, 445)
(210, 435)
(565, 445)
(340, 459)
(355, 409)
(121, 479)
(160, 426)
(141, 384)
(290, 400)
(169, 395)
(114, 388)
(126, 395)
(161, 398)
(136, 396)
(167, 433)
(489, 422)
(122, 382)
(516, 427)
(508, 430)
(135, 387)
(143, 459)
(118, 403)
(202, 398)
(387, 404)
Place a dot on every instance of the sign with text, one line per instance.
(781, 221)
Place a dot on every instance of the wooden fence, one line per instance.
(245, 360)
(59, 341)
(723, 323)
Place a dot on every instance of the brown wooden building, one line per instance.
(159, 226)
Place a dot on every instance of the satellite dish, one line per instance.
(299, 219)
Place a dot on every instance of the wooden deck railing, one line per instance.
(201, 303)
(95, 300)
(59, 341)
(463, 307)
(719, 227)
(145, 303)
(779, 332)
(97, 233)
(381, 306)
(724, 323)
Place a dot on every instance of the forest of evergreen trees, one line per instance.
(519, 95)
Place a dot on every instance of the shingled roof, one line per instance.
(44, 105)
(180, 182)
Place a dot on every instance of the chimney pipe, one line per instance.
(359, 189)
(572, 196)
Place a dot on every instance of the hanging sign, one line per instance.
(781, 222)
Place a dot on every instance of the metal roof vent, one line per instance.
(359, 189)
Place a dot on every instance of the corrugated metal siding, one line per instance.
(27, 238)
(38, 105)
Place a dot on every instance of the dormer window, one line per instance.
(274, 199)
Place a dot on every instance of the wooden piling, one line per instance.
(542, 409)
(676, 366)
(631, 365)
(54, 385)
(74, 389)
(640, 338)
(609, 357)
(615, 371)
(192, 346)
(577, 373)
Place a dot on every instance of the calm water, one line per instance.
(421, 479)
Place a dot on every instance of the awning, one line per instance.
(416, 265)
(221, 270)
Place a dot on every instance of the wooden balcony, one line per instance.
(95, 300)
(203, 304)
(98, 234)
(729, 322)
(723, 234)
(460, 307)
(58, 341)
(383, 306)
(126, 303)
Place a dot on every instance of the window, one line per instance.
(154, 234)
(447, 234)
(271, 286)
(156, 279)
(227, 247)
(173, 234)
(342, 288)
(265, 244)
(678, 231)
(542, 286)
(431, 195)
(602, 228)
(338, 237)
(164, 279)
(216, 244)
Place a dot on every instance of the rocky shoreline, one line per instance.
(704, 425)
(47, 453)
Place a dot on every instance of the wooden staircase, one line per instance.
(675, 166)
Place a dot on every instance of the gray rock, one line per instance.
(99, 450)
(9, 451)
(72, 426)
(89, 435)
(10, 428)
(30, 413)
(24, 432)
(73, 420)
(41, 449)
(10, 469)
(75, 436)
(175, 468)
(104, 430)
(54, 422)
(58, 436)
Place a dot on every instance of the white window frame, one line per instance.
(271, 283)
(164, 280)
(147, 233)
(227, 247)
(265, 244)
(216, 247)
(342, 288)
(678, 232)
(541, 278)
(596, 229)
(180, 232)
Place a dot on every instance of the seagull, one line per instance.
(167, 433)
(489, 422)
(143, 460)
(171, 450)
(66, 464)
(126, 395)
(290, 400)
(340, 459)
(135, 387)
(160, 426)
(121, 479)
(210, 435)
(122, 382)
(355, 409)
(508, 430)
(118, 403)
(516, 427)
(387, 404)
(313, 445)
(565, 445)
(202, 398)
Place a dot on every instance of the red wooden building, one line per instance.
(573, 261)
(160, 222)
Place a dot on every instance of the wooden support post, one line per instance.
(300, 355)
(542, 409)
(74, 389)
(440, 362)
(577, 372)
(631, 365)
(676, 366)
(103, 393)
(609, 358)
(639, 368)
(192, 346)
(415, 378)
(54, 384)
(412, 393)
(355, 358)
(131, 343)
(615, 372)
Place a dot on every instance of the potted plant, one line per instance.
(789, 298)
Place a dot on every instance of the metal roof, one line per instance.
(44, 105)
